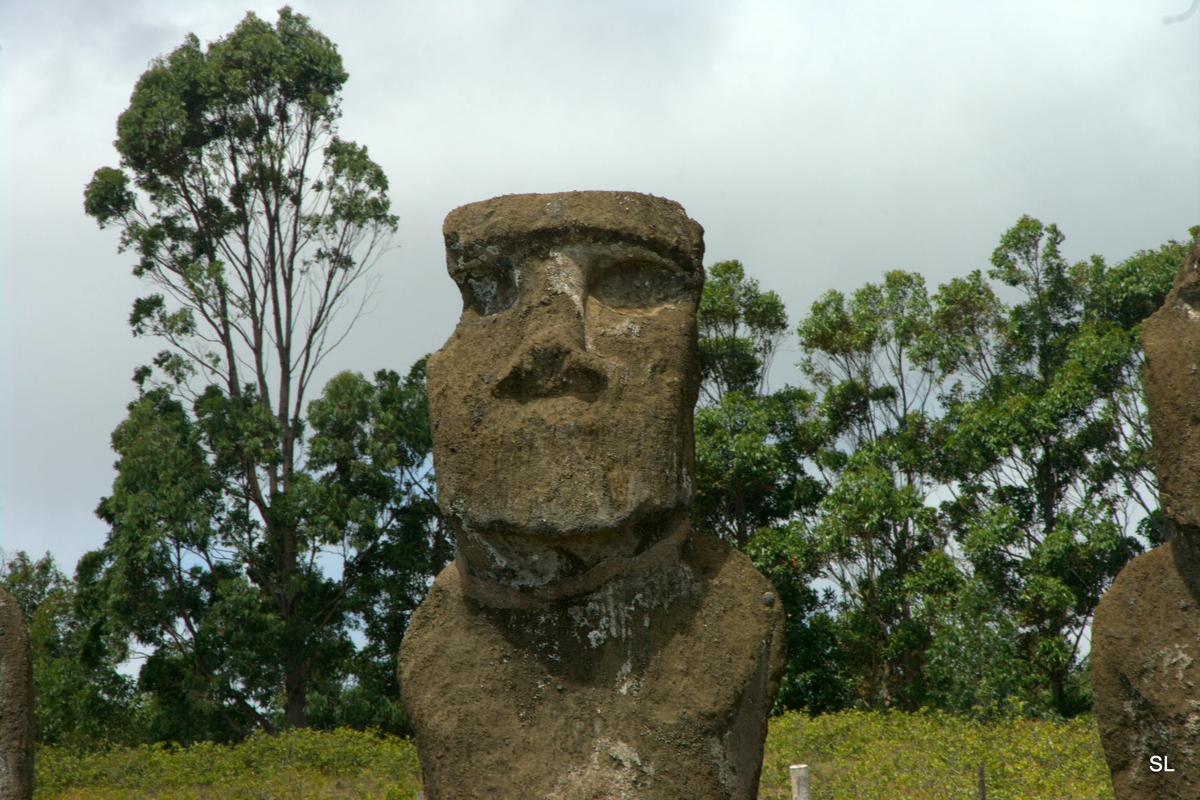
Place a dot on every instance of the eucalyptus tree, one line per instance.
(970, 473)
(871, 361)
(257, 225)
(745, 479)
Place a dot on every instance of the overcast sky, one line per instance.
(819, 143)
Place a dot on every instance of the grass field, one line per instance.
(933, 756)
(295, 764)
(851, 755)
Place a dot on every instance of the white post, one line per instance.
(799, 775)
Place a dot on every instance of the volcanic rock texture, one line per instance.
(584, 643)
(16, 703)
(657, 685)
(1146, 631)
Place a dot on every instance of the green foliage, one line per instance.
(1049, 450)
(871, 357)
(740, 326)
(851, 754)
(80, 700)
(817, 677)
(167, 513)
(176, 544)
(255, 222)
(371, 450)
(1031, 418)
(967, 473)
(931, 756)
(304, 763)
(975, 666)
(752, 485)
(748, 467)
(748, 443)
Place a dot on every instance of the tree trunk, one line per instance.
(295, 684)
(1059, 691)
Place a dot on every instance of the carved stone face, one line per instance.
(562, 404)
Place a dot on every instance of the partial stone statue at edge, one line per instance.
(1146, 631)
(16, 703)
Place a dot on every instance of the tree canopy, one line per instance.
(964, 475)
(240, 556)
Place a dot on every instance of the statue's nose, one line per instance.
(553, 360)
(552, 372)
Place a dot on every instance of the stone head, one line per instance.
(1171, 342)
(561, 406)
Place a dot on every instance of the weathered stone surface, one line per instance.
(1146, 630)
(656, 686)
(1171, 377)
(584, 644)
(562, 404)
(16, 703)
(1145, 676)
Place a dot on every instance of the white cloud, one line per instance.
(818, 142)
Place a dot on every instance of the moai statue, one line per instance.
(16, 703)
(585, 643)
(1146, 631)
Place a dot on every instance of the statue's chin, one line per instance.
(582, 512)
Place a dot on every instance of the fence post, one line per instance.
(982, 783)
(799, 775)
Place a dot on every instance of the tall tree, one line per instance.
(370, 451)
(741, 327)
(256, 223)
(870, 359)
(747, 476)
(1049, 454)
(753, 488)
(1029, 417)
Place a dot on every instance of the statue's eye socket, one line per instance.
(488, 292)
(638, 284)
